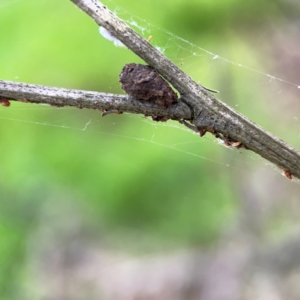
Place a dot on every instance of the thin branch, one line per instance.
(200, 107)
(210, 114)
(87, 99)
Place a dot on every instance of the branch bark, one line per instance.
(59, 97)
(205, 111)
(209, 113)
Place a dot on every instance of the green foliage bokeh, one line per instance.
(119, 182)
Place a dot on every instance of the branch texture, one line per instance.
(197, 105)
(87, 99)
(209, 113)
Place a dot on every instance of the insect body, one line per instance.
(144, 83)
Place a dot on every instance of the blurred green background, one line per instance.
(124, 181)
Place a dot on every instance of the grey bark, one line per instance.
(87, 99)
(197, 105)
(208, 113)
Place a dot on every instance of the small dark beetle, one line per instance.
(144, 83)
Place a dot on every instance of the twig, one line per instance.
(87, 99)
(198, 106)
(210, 114)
